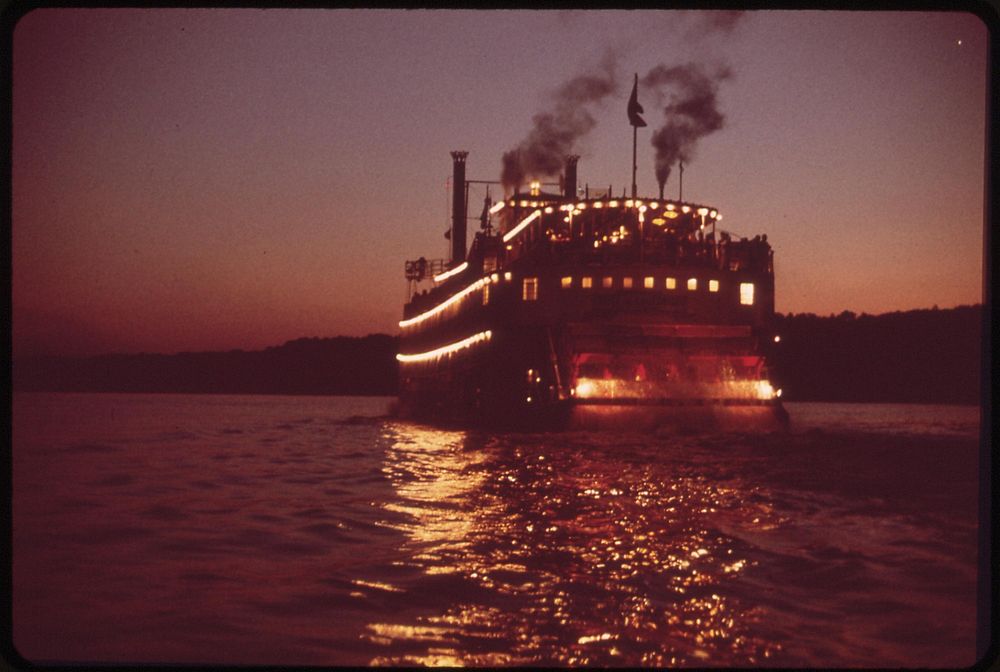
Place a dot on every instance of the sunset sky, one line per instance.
(209, 179)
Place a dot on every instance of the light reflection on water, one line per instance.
(565, 556)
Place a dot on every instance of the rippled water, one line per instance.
(305, 530)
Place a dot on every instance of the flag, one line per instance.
(634, 108)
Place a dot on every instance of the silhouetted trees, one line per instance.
(341, 365)
(926, 356)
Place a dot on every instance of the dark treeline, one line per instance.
(918, 356)
(341, 365)
(928, 356)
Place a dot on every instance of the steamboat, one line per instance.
(573, 310)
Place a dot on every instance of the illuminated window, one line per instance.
(746, 293)
(529, 289)
(692, 284)
(607, 281)
(567, 282)
(587, 282)
(486, 294)
(671, 283)
(713, 285)
(507, 275)
(647, 282)
(627, 283)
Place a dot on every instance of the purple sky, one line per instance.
(216, 179)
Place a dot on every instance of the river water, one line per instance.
(317, 530)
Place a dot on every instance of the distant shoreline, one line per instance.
(921, 356)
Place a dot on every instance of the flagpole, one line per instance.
(635, 132)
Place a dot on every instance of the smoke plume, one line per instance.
(690, 114)
(557, 130)
(717, 21)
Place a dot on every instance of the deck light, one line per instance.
(685, 209)
(497, 208)
(446, 349)
(613, 204)
(455, 271)
(523, 223)
(444, 304)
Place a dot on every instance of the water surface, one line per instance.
(317, 530)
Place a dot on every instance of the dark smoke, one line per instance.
(722, 21)
(691, 112)
(557, 130)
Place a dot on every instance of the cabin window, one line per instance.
(627, 283)
(586, 282)
(486, 294)
(567, 282)
(529, 289)
(713, 285)
(746, 293)
(647, 282)
(671, 283)
(692, 284)
(607, 282)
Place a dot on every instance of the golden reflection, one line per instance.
(536, 550)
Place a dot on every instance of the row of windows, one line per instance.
(530, 286)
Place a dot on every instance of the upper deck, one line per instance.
(610, 246)
(616, 231)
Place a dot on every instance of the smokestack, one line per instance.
(569, 190)
(458, 212)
